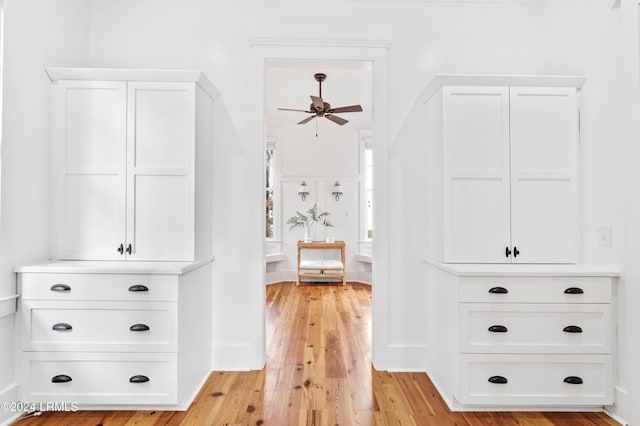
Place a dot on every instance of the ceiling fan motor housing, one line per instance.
(320, 112)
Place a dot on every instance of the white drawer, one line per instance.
(535, 328)
(535, 289)
(128, 287)
(99, 326)
(100, 378)
(535, 380)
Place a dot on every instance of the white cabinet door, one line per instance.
(476, 174)
(544, 143)
(89, 153)
(160, 171)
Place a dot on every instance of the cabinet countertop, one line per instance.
(109, 267)
(515, 270)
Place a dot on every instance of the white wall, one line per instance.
(425, 38)
(319, 161)
(601, 42)
(37, 33)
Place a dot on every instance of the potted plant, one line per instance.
(306, 221)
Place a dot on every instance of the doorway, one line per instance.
(315, 52)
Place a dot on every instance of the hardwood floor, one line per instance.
(318, 372)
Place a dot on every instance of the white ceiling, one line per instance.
(289, 84)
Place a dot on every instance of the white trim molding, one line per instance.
(8, 305)
(9, 394)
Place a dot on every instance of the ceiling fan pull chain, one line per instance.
(316, 127)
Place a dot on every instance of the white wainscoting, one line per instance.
(8, 305)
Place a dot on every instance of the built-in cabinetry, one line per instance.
(503, 169)
(515, 320)
(115, 333)
(131, 167)
(522, 335)
(132, 182)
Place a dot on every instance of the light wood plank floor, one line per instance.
(318, 372)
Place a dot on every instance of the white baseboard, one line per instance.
(234, 357)
(9, 394)
(403, 358)
(622, 408)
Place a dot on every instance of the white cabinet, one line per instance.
(527, 336)
(131, 165)
(115, 335)
(503, 170)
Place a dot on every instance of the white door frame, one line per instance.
(375, 52)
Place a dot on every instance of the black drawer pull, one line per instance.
(574, 290)
(60, 287)
(498, 329)
(499, 380)
(498, 290)
(60, 378)
(139, 327)
(573, 380)
(138, 287)
(138, 379)
(61, 326)
(572, 329)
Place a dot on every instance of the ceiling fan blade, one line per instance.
(306, 120)
(317, 103)
(297, 110)
(336, 119)
(351, 108)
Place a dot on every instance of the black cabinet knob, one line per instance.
(572, 329)
(498, 290)
(516, 252)
(121, 249)
(129, 249)
(507, 252)
(60, 378)
(498, 329)
(61, 326)
(60, 287)
(138, 379)
(139, 327)
(573, 380)
(499, 380)
(574, 290)
(138, 287)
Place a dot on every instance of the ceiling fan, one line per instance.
(320, 108)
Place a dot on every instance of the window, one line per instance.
(270, 178)
(368, 191)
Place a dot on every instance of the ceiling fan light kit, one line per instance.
(320, 108)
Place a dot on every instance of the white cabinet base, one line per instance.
(98, 362)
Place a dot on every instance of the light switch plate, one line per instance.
(604, 236)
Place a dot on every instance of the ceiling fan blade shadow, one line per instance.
(297, 110)
(318, 103)
(351, 108)
(336, 119)
(306, 120)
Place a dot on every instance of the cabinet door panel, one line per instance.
(160, 225)
(160, 171)
(164, 121)
(476, 221)
(476, 173)
(93, 219)
(544, 139)
(89, 140)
